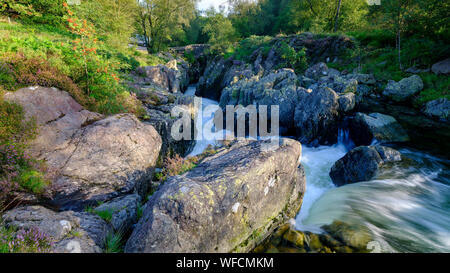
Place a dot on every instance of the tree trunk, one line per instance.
(336, 20)
(399, 49)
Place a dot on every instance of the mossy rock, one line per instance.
(294, 237)
(355, 236)
(313, 242)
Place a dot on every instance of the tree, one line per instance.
(219, 29)
(35, 11)
(114, 19)
(336, 19)
(160, 20)
(396, 13)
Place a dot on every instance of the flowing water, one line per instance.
(201, 120)
(407, 208)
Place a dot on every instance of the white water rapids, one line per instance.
(407, 208)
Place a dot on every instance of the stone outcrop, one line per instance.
(404, 89)
(159, 106)
(172, 77)
(91, 159)
(317, 116)
(312, 113)
(70, 232)
(123, 211)
(366, 128)
(229, 203)
(442, 67)
(362, 164)
(439, 109)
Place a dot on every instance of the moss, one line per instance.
(33, 181)
(294, 237)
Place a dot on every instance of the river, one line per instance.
(407, 208)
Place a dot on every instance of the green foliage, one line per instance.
(435, 87)
(33, 181)
(189, 57)
(113, 20)
(32, 240)
(219, 30)
(14, 128)
(139, 211)
(160, 21)
(105, 214)
(40, 55)
(18, 171)
(34, 11)
(247, 46)
(114, 243)
(294, 59)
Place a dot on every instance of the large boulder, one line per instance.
(404, 89)
(90, 159)
(442, 67)
(365, 128)
(317, 116)
(439, 108)
(277, 88)
(68, 231)
(229, 203)
(362, 164)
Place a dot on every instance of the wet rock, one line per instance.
(364, 129)
(354, 236)
(211, 83)
(229, 203)
(362, 164)
(70, 232)
(404, 89)
(439, 108)
(316, 116)
(91, 159)
(123, 211)
(442, 67)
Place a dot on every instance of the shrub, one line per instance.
(24, 241)
(18, 171)
(296, 60)
(14, 128)
(105, 214)
(114, 243)
(178, 165)
(35, 11)
(38, 71)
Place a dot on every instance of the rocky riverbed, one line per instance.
(347, 168)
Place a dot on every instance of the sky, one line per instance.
(205, 4)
